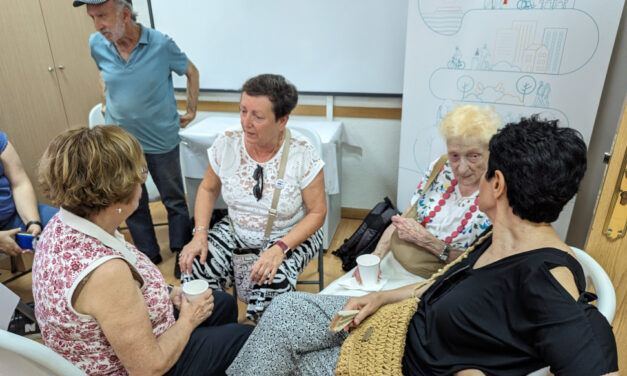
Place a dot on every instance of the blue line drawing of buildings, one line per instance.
(517, 49)
(535, 58)
(525, 36)
(554, 38)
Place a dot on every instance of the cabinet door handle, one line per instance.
(50, 69)
(61, 67)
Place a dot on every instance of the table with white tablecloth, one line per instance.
(197, 138)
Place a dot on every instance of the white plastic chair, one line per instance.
(23, 356)
(311, 136)
(603, 288)
(96, 118)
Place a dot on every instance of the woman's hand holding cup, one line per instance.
(370, 259)
(196, 306)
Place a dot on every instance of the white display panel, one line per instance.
(521, 56)
(323, 46)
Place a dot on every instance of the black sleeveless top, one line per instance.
(510, 317)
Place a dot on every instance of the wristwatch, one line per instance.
(286, 250)
(444, 255)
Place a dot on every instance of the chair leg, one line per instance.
(13, 264)
(320, 281)
(321, 269)
(26, 310)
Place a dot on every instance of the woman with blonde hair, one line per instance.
(515, 302)
(442, 218)
(101, 303)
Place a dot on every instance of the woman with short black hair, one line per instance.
(513, 303)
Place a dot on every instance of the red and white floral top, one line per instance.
(70, 248)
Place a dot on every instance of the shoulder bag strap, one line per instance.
(434, 173)
(277, 190)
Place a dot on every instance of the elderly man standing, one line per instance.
(136, 65)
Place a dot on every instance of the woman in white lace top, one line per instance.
(243, 167)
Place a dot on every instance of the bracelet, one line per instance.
(30, 223)
(199, 228)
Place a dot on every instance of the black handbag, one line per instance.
(365, 239)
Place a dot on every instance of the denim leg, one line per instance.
(141, 227)
(165, 170)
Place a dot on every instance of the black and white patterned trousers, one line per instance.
(218, 268)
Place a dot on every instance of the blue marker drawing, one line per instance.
(525, 85)
(465, 84)
(456, 61)
(542, 95)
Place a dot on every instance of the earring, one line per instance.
(119, 210)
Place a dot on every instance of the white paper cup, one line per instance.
(369, 269)
(193, 289)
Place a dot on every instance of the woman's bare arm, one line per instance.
(114, 299)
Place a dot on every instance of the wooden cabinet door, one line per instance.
(31, 109)
(612, 253)
(68, 33)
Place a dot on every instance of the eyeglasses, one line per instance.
(258, 188)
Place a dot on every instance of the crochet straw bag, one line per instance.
(377, 345)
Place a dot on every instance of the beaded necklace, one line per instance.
(445, 196)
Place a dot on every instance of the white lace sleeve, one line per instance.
(304, 161)
(224, 154)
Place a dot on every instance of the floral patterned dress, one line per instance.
(457, 207)
(70, 248)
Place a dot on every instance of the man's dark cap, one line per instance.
(78, 3)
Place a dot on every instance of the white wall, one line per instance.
(370, 146)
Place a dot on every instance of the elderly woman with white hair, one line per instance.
(442, 218)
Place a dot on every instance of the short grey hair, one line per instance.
(121, 4)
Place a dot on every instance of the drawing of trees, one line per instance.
(465, 84)
(525, 85)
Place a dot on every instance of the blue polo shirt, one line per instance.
(140, 94)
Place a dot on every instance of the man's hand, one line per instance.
(267, 265)
(187, 118)
(8, 244)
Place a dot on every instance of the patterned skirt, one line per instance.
(218, 269)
